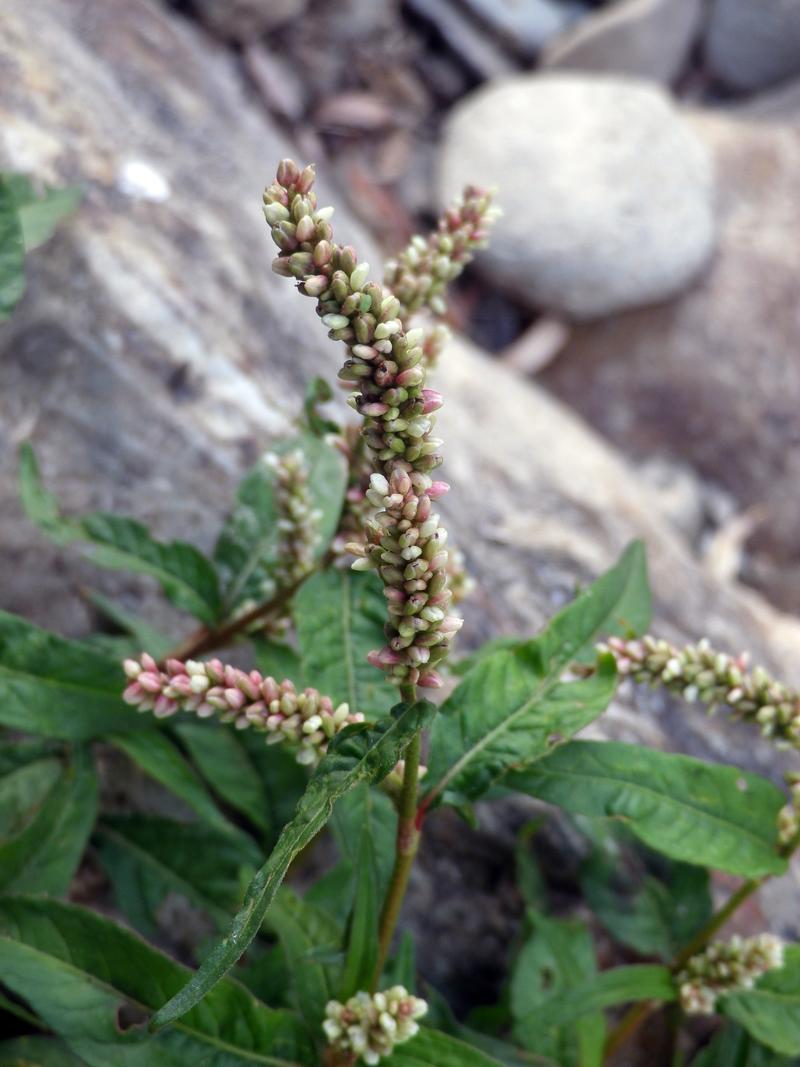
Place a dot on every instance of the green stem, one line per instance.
(406, 846)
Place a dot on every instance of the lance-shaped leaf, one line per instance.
(358, 754)
(148, 856)
(372, 811)
(509, 711)
(693, 811)
(226, 766)
(340, 617)
(617, 603)
(78, 971)
(621, 985)
(59, 688)
(557, 958)
(37, 1052)
(247, 550)
(158, 756)
(44, 855)
(187, 578)
(22, 790)
(734, 1047)
(770, 1012)
(310, 939)
(40, 213)
(432, 1048)
(362, 937)
(12, 251)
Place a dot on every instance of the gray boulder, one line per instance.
(750, 45)
(607, 192)
(645, 38)
(713, 378)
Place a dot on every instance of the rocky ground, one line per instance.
(645, 272)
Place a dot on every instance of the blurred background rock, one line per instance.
(630, 355)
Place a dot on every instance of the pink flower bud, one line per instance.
(438, 489)
(430, 680)
(431, 400)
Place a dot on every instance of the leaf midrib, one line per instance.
(546, 685)
(257, 1057)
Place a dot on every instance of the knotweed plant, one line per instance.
(302, 726)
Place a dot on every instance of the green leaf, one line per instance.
(770, 1012)
(16, 753)
(278, 660)
(59, 688)
(78, 970)
(656, 916)
(12, 252)
(37, 1052)
(40, 214)
(187, 578)
(318, 392)
(158, 756)
(226, 766)
(557, 958)
(246, 552)
(733, 1047)
(340, 617)
(432, 1048)
(618, 603)
(530, 880)
(141, 636)
(307, 935)
(22, 790)
(508, 712)
(402, 967)
(148, 856)
(621, 985)
(362, 941)
(43, 856)
(282, 779)
(697, 812)
(356, 755)
(367, 809)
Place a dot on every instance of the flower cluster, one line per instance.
(386, 372)
(726, 967)
(421, 273)
(370, 1025)
(700, 673)
(298, 521)
(304, 720)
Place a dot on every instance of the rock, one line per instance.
(644, 38)
(246, 20)
(607, 191)
(753, 45)
(155, 354)
(526, 25)
(775, 105)
(484, 57)
(713, 378)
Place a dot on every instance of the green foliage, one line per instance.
(556, 958)
(12, 251)
(187, 578)
(59, 688)
(692, 811)
(362, 940)
(37, 1052)
(310, 939)
(148, 856)
(513, 706)
(339, 617)
(431, 1048)
(78, 971)
(655, 911)
(246, 552)
(42, 855)
(357, 755)
(26, 222)
(733, 1047)
(158, 756)
(770, 1012)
